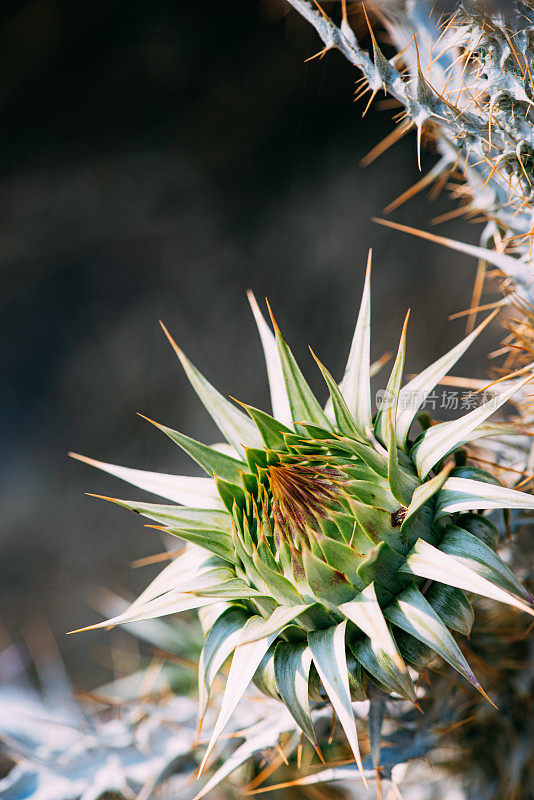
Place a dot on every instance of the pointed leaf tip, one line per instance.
(411, 612)
(438, 441)
(422, 385)
(84, 459)
(235, 426)
(173, 344)
(302, 402)
(152, 421)
(256, 637)
(103, 497)
(393, 387)
(344, 419)
(199, 492)
(427, 561)
(277, 387)
(329, 656)
(292, 664)
(355, 385)
(271, 315)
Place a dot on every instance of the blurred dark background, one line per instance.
(156, 160)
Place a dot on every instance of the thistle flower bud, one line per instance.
(336, 547)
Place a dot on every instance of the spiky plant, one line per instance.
(331, 549)
(462, 74)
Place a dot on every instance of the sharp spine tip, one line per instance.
(274, 322)
(173, 344)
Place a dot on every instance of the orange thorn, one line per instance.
(173, 344)
(274, 322)
(318, 55)
(366, 109)
(393, 137)
(167, 555)
(323, 13)
(152, 422)
(475, 297)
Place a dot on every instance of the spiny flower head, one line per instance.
(329, 546)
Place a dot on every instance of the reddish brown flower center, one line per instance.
(300, 494)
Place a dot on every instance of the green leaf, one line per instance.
(256, 637)
(365, 612)
(230, 495)
(437, 442)
(232, 589)
(328, 651)
(196, 492)
(373, 493)
(426, 491)
(190, 518)
(452, 606)
(329, 585)
(391, 395)
(264, 678)
(426, 561)
(413, 651)
(481, 558)
(421, 386)
(413, 614)
(216, 541)
(350, 531)
(279, 398)
(212, 461)
(292, 664)
(365, 655)
(474, 473)
(420, 526)
(302, 401)
(463, 494)
(245, 554)
(357, 689)
(374, 522)
(344, 419)
(221, 641)
(271, 430)
(481, 527)
(380, 567)
(280, 588)
(372, 457)
(343, 559)
(236, 428)
(356, 384)
(402, 485)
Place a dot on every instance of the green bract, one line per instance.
(328, 549)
